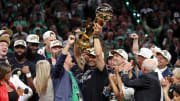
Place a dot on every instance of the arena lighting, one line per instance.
(127, 3)
(134, 14)
(138, 15)
(146, 35)
(138, 21)
(134, 10)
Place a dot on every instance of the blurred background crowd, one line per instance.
(155, 21)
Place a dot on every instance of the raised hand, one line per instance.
(71, 39)
(134, 36)
(97, 28)
(25, 69)
(165, 84)
(128, 66)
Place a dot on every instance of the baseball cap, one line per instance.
(56, 43)
(32, 38)
(169, 30)
(92, 52)
(120, 52)
(20, 42)
(165, 54)
(10, 32)
(145, 52)
(155, 49)
(48, 34)
(5, 39)
(120, 38)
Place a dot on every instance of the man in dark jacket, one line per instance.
(147, 86)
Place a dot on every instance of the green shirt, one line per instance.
(75, 88)
(48, 55)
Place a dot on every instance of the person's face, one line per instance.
(175, 78)
(33, 47)
(110, 62)
(3, 48)
(19, 50)
(120, 42)
(48, 40)
(110, 35)
(162, 62)
(5, 35)
(8, 74)
(19, 28)
(54, 50)
(92, 61)
(170, 34)
(140, 60)
(117, 59)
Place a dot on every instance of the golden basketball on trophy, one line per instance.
(104, 13)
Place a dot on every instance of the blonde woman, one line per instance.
(43, 82)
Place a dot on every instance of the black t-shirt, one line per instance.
(35, 58)
(13, 96)
(14, 65)
(77, 72)
(93, 84)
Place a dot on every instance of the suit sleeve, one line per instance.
(136, 83)
(58, 69)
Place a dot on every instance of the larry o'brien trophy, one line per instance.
(84, 40)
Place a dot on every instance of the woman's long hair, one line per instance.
(4, 69)
(42, 76)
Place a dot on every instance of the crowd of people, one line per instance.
(134, 57)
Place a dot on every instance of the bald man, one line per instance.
(147, 86)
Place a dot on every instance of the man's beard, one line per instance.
(20, 57)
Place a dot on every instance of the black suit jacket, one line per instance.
(147, 86)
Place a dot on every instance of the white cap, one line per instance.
(56, 43)
(155, 49)
(32, 38)
(169, 30)
(20, 42)
(121, 52)
(48, 34)
(166, 54)
(145, 52)
(92, 52)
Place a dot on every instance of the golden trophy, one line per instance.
(104, 13)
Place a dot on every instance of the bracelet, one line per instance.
(28, 75)
(96, 36)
